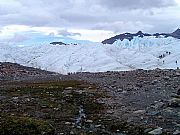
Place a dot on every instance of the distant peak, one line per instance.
(177, 31)
(139, 32)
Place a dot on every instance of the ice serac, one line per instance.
(130, 36)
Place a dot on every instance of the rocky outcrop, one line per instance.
(58, 43)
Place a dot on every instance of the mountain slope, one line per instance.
(148, 52)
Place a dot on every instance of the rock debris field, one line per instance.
(139, 102)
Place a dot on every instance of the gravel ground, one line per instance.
(147, 99)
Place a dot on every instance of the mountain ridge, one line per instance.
(130, 36)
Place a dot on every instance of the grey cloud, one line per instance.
(11, 7)
(137, 4)
(164, 26)
(124, 26)
(113, 15)
(66, 33)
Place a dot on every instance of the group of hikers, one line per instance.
(175, 62)
(163, 55)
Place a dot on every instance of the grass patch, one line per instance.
(57, 102)
(24, 126)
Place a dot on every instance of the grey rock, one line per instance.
(157, 131)
(175, 102)
(72, 133)
(119, 90)
(140, 112)
(159, 105)
(98, 126)
(68, 88)
(154, 82)
(124, 92)
(167, 78)
(177, 132)
(177, 74)
(110, 112)
(153, 113)
(89, 121)
(67, 123)
(177, 125)
(2, 97)
(174, 95)
(147, 130)
(79, 127)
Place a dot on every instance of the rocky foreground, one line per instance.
(137, 102)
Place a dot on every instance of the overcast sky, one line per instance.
(86, 19)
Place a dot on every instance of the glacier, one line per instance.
(139, 53)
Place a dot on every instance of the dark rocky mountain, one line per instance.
(61, 43)
(130, 36)
(176, 34)
(58, 43)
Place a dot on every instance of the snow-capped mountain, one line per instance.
(141, 52)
